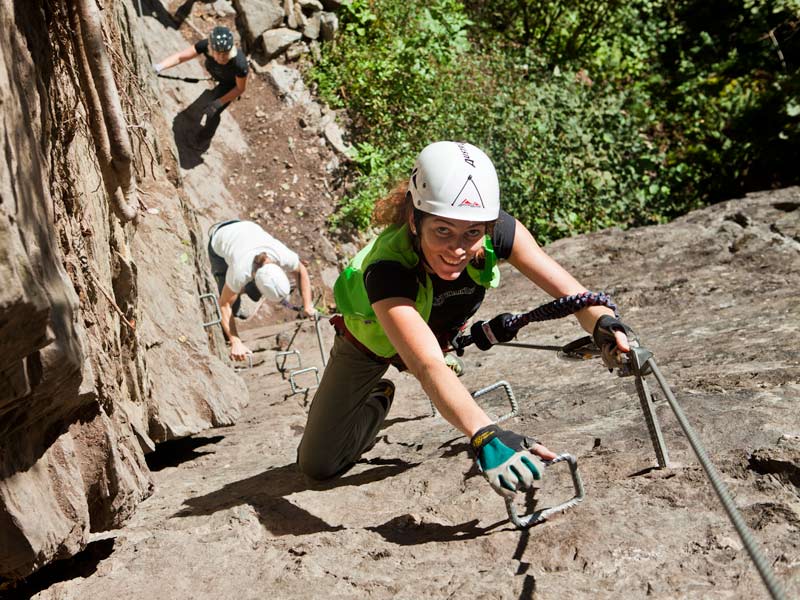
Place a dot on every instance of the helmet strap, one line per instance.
(416, 236)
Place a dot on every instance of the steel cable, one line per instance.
(755, 552)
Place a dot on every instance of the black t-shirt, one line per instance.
(454, 302)
(227, 73)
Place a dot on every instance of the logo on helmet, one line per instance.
(463, 148)
(465, 201)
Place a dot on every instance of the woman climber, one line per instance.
(404, 297)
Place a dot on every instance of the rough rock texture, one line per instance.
(259, 16)
(276, 41)
(97, 366)
(711, 294)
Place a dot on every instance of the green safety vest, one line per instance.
(394, 244)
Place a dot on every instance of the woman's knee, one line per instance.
(317, 465)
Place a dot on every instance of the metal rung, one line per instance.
(540, 516)
(282, 365)
(293, 383)
(216, 307)
(509, 394)
(248, 367)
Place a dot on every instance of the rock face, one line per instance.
(272, 26)
(259, 16)
(101, 355)
(712, 295)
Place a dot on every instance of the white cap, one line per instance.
(455, 180)
(272, 282)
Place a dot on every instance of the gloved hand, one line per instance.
(157, 68)
(604, 338)
(486, 334)
(504, 459)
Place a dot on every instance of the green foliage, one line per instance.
(726, 96)
(596, 113)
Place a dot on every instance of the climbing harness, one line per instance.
(186, 79)
(639, 362)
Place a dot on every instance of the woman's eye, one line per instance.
(474, 233)
(442, 231)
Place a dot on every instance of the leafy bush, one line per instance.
(595, 113)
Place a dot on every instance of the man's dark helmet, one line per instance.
(221, 39)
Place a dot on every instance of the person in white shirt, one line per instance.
(245, 258)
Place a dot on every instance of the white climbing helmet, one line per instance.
(455, 180)
(272, 282)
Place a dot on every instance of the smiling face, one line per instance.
(449, 244)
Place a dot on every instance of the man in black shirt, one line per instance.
(226, 64)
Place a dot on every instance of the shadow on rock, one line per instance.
(389, 422)
(176, 452)
(156, 9)
(81, 565)
(409, 530)
(455, 447)
(267, 491)
(192, 135)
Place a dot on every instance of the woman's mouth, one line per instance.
(454, 262)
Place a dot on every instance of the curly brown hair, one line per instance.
(394, 208)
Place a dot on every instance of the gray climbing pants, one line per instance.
(345, 414)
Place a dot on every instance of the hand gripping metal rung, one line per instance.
(249, 364)
(281, 366)
(297, 389)
(540, 516)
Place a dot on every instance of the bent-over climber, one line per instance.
(245, 258)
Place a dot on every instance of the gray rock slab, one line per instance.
(275, 41)
(259, 16)
(311, 27)
(328, 25)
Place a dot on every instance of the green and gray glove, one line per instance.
(504, 459)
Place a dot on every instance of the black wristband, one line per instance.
(604, 329)
(482, 437)
(486, 334)
(513, 440)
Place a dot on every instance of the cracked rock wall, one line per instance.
(102, 349)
